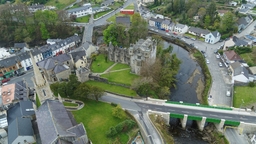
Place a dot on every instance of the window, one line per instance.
(82, 62)
(67, 62)
(139, 57)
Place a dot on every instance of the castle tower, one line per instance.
(41, 85)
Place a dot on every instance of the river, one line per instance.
(189, 82)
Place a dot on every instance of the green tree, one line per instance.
(96, 92)
(164, 92)
(72, 85)
(83, 90)
(228, 22)
(44, 31)
(201, 12)
(118, 112)
(138, 29)
(211, 10)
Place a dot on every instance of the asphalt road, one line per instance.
(221, 80)
(27, 77)
(235, 138)
(247, 31)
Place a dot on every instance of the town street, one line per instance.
(247, 31)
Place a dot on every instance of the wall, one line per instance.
(63, 75)
(249, 128)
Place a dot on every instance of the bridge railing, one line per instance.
(199, 105)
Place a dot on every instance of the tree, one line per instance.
(228, 22)
(201, 12)
(96, 92)
(83, 90)
(118, 112)
(44, 31)
(138, 29)
(164, 92)
(211, 10)
(72, 84)
(207, 21)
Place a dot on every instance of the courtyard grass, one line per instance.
(60, 4)
(84, 19)
(69, 104)
(99, 14)
(244, 93)
(114, 89)
(130, 7)
(124, 77)
(250, 58)
(97, 119)
(100, 65)
(120, 66)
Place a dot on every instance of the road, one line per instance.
(234, 138)
(221, 81)
(247, 31)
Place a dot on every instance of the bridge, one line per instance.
(202, 114)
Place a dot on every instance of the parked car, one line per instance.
(220, 64)
(216, 51)
(207, 61)
(202, 52)
(21, 73)
(217, 56)
(5, 80)
(167, 34)
(186, 37)
(193, 39)
(228, 93)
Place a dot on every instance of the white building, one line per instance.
(26, 62)
(180, 28)
(212, 37)
(147, 1)
(81, 11)
(4, 53)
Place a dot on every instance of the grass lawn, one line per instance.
(113, 18)
(38, 104)
(113, 88)
(124, 77)
(250, 58)
(84, 19)
(131, 6)
(190, 35)
(99, 14)
(120, 66)
(69, 104)
(99, 65)
(246, 93)
(60, 4)
(97, 119)
(74, 6)
(116, 5)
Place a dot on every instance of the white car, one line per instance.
(220, 64)
(228, 93)
(156, 30)
(167, 34)
(152, 29)
(207, 61)
(217, 56)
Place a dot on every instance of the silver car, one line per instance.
(220, 64)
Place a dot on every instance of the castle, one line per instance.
(135, 55)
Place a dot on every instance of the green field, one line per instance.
(113, 88)
(74, 6)
(100, 65)
(250, 58)
(124, 77)
(131, 6)
(116, 5)
(69, 104)
(120, 66)
(60, 4)
(84, 19)
(97, 119)
(244, 93)
(99, 14)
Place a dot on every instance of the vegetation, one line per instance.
(244, 96)
(241, 50)
(124, 77)
(113, 18)
(119, 66)
(59, 4)
(70, 104)
(250, 58)
(38, 104)
(22, 27)
(99, 14)
(118, 112)
(131, 6)
(84, 19)
(113, 88)
(98, 119)
(118, 35)
(116, 5)
(99, 64)
(121, 127)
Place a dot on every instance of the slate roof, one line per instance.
(10, 61)
(199, 30)
(239, 42)
(78, 9)
(123, 20)
(78, 55)
(21, 109)
(36, 6)
(26, 55)
(59, 68)
(19, 127)
(244, 20)
(232, 55)
(50, 62)
(53, 122)
(180, 25)
(166, 22)
(159, 20)
(238, 69)
(215, 33)
(20, 45)
(21, 90)
(107, 2)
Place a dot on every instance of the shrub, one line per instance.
(124, 126)
(118, 112)
(251, 84)
(113, 104)
(111, 132)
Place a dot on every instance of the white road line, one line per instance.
(185, 111)
(130, 109)
(199, 113)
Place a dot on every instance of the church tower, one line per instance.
(41, 85)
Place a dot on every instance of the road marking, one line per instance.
(185, 111)
(199, 113)
(244, 118)
(170, 110)
(213, 115)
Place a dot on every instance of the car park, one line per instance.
(220, 64)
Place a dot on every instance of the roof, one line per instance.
(78, 55)
(239, 42)
(79, 9)
(19, 127)
(239, 69)
(26, 55)
(232, 55)
(166, 22)
(20, 45)
(10, 61)
(106, 2)
(199, 30)
(253, 70)
(123, 20)
(51, 62)
(159, 20)
(36, 6)
(53, 122)
(215, 33)
(21, 109)
(180, 25)
(59, 68)
(244, 20)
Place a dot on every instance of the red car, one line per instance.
(5, 80)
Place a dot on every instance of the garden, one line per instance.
(99, 14)
(60, 4)
(84, 19)
(100, 64)
(244, 96)
(106, 123)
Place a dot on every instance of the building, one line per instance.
(124, 20)
(231, 56)
(4, 53)
(83, 74)
(35, 7)
(55, 125)
(46, 51)
(79, 59)
(80, 11)
(20, 45)
(165, 24)
(127, 11)
(13, 93)
(212, 37)
(180, 28)
(151, 22)
(147, 1)
(41, 85)
(107, 3)
(52, 41)
(222, 12)
(57, 68)
(233, 3)
(135, 55)
(239, 73)
(10, 64)
(158, 22)
(198, 32)
(244, 22)
(25, 59)
(234, 41)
